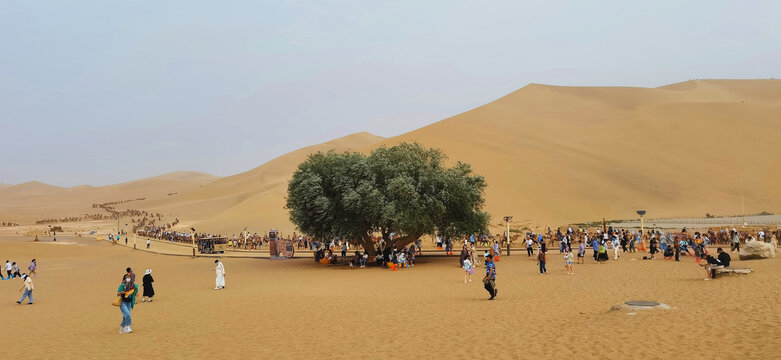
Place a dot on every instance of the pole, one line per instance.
(641, 227)
(193, 238)
(508, 237)
(743, 209)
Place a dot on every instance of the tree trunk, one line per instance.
(404, 241)
(368, 245)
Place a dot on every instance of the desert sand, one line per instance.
(296, 309)
(551, 155)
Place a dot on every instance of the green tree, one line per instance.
(403, 190)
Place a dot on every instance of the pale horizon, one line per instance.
(107, 93)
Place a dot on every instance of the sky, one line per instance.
(102, 92)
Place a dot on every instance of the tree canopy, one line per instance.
(404, 189)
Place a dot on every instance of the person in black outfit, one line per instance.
(149, 291)
(711, 263)
(654, 250)
(724, 258)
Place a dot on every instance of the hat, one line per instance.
(148, 271)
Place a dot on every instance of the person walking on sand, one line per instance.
(468, 270)
(148, 242)
(28, 290)
(9, 269)
(472, 252)
(541, 257)
(616, 244)
(129, 273)
(32, 267)
(127, 291)
(149, 290)
(569, 259)
(15, 269)
(489, 281)
(735, 241)
(581, 253)
(220, 271)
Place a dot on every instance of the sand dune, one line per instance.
(554, 154)
(25, 203)
(253, 199)
(551, 155)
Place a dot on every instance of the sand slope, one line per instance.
(34, 201)
(551, 155)
(253, 199)
(554, 154)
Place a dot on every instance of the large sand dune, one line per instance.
(551, 155)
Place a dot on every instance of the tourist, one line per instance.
(616, 244)
(356, 260)
(711, 264)
(595, 247)
(668, 253)
(541, 257)
(569, 259)
(581, 252)
(28, 290)
(127, 291)
(677, 249)
(468, 270)
(149, 290)
(489, 281)
(735, 241)
(364, 258)
(32, 267)
(344, 249)
(652, 245)
(220, 271)
(602, 249)
(529, 248)
(148, 242)
(401, 258)
(9, 269)
(15, 269)
(464, 255)
(723, 257)
(411, 255)
(472, 252)
(129, 272)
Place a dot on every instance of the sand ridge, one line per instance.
(551, 155)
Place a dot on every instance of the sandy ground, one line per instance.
(296, 309)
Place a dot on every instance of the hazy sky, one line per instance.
(100, 92)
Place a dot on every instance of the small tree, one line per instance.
(403, 190)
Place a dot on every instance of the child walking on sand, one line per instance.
(468, 270)
(569, 259)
